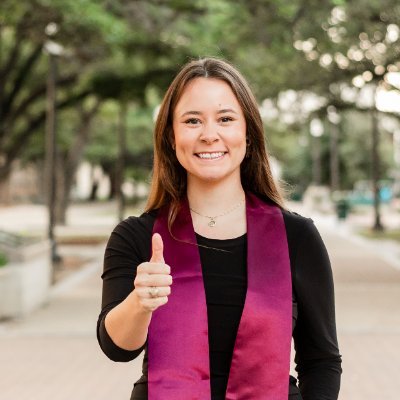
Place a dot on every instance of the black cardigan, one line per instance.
(318, 362)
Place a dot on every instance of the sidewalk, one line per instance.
(53, 353)
(367, 291)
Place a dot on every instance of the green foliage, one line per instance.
(3, 260)
(124, 51)
(355, 148)
(393, 234)
(90, 17)
(290, 147)
(103, 149)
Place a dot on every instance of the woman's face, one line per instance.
(209, 130)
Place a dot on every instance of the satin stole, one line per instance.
(178, 351)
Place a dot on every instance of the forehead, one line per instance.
(205, 93)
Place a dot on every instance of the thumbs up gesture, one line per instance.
(153, 279)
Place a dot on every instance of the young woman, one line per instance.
(216, 277)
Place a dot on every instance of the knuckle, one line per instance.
(160, 268)
(163, 300)
(148, 305)
(145, 282)
(142, 267)
(140, 280)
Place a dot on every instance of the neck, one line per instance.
(214, 198)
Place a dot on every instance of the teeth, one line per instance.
(210, 155)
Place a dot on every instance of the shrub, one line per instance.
(3, 259)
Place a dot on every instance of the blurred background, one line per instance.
(80, 85)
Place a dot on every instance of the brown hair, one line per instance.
(168, 184)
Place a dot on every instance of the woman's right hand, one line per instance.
(153, 279)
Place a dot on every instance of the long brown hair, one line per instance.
(169, 179)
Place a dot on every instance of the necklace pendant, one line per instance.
(211, 223)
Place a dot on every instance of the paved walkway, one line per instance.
(367, 291)
(53, 353)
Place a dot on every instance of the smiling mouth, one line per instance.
(211, 156)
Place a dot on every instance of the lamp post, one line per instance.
(53, 50)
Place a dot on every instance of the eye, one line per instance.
(192, 121)
(226, 119)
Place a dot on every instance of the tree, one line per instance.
(98, 39)
(23, 63)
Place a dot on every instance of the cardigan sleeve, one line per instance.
(318, 361)
(127, 247)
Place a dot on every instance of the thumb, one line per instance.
(157, 249)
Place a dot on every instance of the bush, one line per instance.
(3, 260)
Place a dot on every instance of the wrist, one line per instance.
(137, 306)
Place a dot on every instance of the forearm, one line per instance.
(127, 323)
(320, 379)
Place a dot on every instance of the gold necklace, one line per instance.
(212, 222)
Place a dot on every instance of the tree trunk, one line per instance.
(120, 167)
(113, 183)
(334, 158)
(316, 160)
(5, 170)
(93, 190)
(70, 161)
(376, 166)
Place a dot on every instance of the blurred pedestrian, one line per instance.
(217, 276)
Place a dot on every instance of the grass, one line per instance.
(392, 234)
(3, 260)
(82, 239)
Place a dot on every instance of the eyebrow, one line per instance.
(225, 110)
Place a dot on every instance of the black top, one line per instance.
(225, 283)
(318, 362)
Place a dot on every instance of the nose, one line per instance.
(209, 134)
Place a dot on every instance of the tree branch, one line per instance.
(16, 50)
(15, 148)
(19, 80)
(37, 93)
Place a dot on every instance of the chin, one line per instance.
(211, 177)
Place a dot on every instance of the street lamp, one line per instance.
(54, 50)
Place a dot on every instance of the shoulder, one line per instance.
(133, 233)
(138, 224)
(307, 249)
(302, 235)
(295, 223)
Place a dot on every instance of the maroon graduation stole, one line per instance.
(178, 352)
